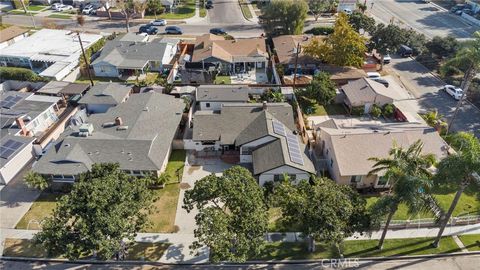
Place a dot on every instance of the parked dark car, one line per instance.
(149, 29)
(405, 51)
(209, 4)
(173, 30)
(218, 31)
(457, 7)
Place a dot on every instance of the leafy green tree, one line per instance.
(344, 47)
(35, 180)
(323, 211)
(390, 37)
(359, 20)
(443, 46)
(155, 7)
(316, 7)
(284, 17)
(232, 216)
(104, 207)
(129, 9)
(388, 110)
(408, 176)
(272, 96)
(467, 61)
(458, 170)
(375, 111)
(321, 89)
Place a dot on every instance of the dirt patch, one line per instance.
(184, 186)
(192, 169)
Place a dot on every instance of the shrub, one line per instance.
(375, 111)
(388, 110)
(97, 46)
(20, 74)
(34, 180)
(321, 30)
(358, 111)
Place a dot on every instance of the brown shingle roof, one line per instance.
(11, 32)
(285, 49)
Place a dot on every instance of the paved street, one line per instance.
(459, 262)
(226, 12)
(426, 87)
(423, 17)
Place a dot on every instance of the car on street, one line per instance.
(55, 5)
(218, 31)
(387, 59)
(89, 10)
(455, 92)
(373, 75)
(209, 4)
(148, 29)
(348, 11)
(173, 30)
(457, 8)
(405, 51)
(64, 7)
(159, 22)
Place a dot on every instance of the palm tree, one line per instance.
(407, 171)
(469, 57)
(459, 169)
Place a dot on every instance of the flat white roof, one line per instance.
(49, 45)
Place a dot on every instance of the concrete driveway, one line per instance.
(226, 12)
(194, 170)
(15, 200)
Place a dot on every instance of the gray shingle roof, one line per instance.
(132, 54)
(152, 120)
(106, 93)
(225, 93)
(234, 118)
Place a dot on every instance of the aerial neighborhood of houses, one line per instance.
(187, 107)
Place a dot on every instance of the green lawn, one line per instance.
(60, 16)
(175, 165)
(36, 8)
(357, 248)
(203, 12)
(312, 108)
(245, 10)
(138, 251)
(467, 205)
(163, 215)
(471, 241)
(223, 80)
(21, 12)
(40, 209)
(181, 12)
(275, 223)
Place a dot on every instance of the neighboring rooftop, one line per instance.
(11, 32)
(366, 90)
(133, 54)
(141, 141)
(217, 93)
(286, 49)
(106, 93)
(238, 50)
(63, 88)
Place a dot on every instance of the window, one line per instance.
(207, 105)
(356, 179)
(279, 177)
(246, 151)
(326, 153)
(45, 116)
(35, 123)
(331, 163)
(382, 181)
(137, 172)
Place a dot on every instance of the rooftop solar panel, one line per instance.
(9, 148)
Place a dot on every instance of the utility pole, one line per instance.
(85, 58)
(31, 15)
(465, 86)
(296, 66)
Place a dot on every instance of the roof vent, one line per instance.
(82, 134)
(145, 109)
(67, 145)
(264, 105)
(108, 124)
(118, 121)
(122, 127)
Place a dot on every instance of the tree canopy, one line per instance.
(105, 206)
(35, 180)
(232, 216)
(323, 210)
(344, 47)
(321, 89)
(389, 38)
(284, 17)
(316, 7)
(443, 46)
(359, 20)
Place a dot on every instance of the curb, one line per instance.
(273, 262)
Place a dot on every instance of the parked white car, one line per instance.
(453, 91)
(63, 7)
(387, 59)
(373, 75)
(55, 6)
(159, 22)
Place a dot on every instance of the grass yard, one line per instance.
(223, 80)
(139, 251)
(175, 165)
(402, 212)
(275, 223)
(163, 215)
(60, 16)
(245, 10)
(40, 209)
(36, 8)
(181, 12)
(471, 241)
(21, 12)
(312, 108)
(203, 12)
(358, 248)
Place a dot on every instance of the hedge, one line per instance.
(19, 74)
(321, 30)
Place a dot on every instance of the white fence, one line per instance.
(429, 222)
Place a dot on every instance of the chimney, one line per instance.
(21, 126)
(118, 121)
(264, 105)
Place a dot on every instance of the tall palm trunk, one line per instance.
(385, 229)
(444, 222)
